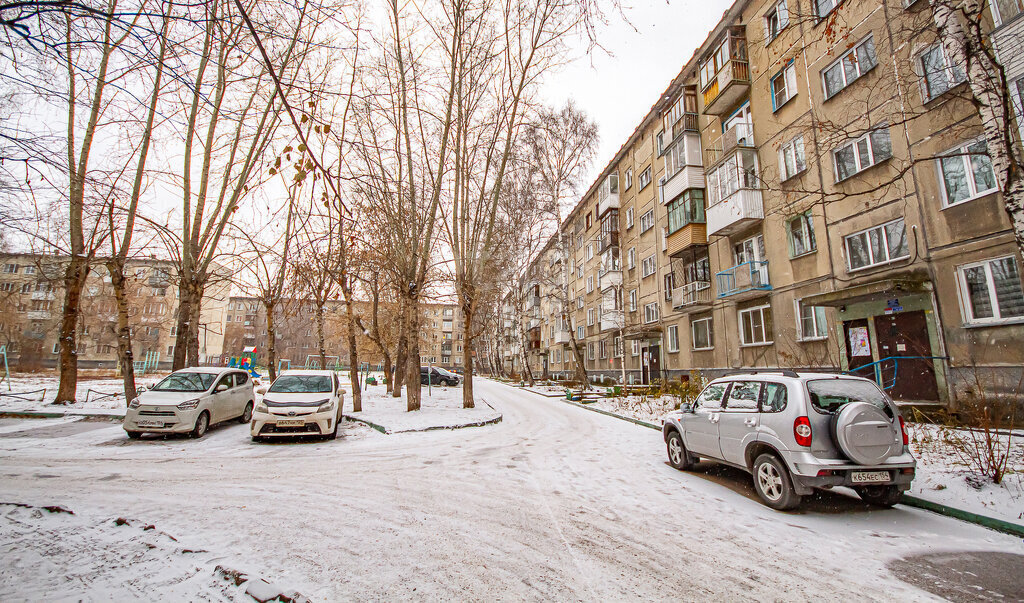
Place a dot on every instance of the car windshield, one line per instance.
(185, 382)
(301, 384)
(829, 395)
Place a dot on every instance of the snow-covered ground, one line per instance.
(440, 408)
(92, 396)
(552, 503)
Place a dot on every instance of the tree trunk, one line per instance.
(187, 298)
(400, 356)
(320, 335)
(577, 353)
(271, 342)
(389, 382)
(467, 357)
(125, 355)
(412, 359)
(194, 324)
(353, 356)
(74, 279)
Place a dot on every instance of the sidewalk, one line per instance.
(440, 408)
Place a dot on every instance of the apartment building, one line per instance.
(31, 297)
(245, 328)
(811, 191)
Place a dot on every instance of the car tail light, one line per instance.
(802, 431)
(903, 430)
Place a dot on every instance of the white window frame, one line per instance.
(998, 18)
(710, 332)
(854, 143)
(579, 270)
(651, 312)
(768, 338)
(633, 297)
(635, 347)
(590, 251)
(787, 78)
(819, 3)
(647, 221)
(580, 333)
(632, 258)
(590, 317)
(673, 338)
(806, 220)
(885, 239)
(964, 293)
(590, 284)
(645, 178)
(955, 75)
(628, 178)
(816, 316)
(792, 148)
(963, 154)
(629, 218)
(856, 62)
(590, 350)
(781, 14)
(648, 267)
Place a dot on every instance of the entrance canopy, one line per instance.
(642, 333)
(876, 291)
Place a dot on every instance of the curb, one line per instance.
(37, 414)
(387, 431)
(992, 523)
(599, 411)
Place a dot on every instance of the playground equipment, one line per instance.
(246, 364)
(333, 362)
(7, 370)
(284, 362)
(150, 363)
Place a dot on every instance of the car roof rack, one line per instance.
(785, 372)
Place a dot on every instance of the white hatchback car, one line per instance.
(189, 401)
(300, 403)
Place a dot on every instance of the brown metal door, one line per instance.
(655, 362)
(900, 335)
(858, 346)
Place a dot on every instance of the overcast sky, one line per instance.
(618, 89)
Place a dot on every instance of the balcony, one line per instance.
(694, 233)
(608, 194)
(727, 87)
(42, 296)
(740, 135)
(609, 240)
(534, 323)
(691, 176)
(611, 320)
(745, 280)
(608, 279)
(738, 210)
(692, 295)
(39, 315)
(561, 337)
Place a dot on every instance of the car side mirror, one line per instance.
(141, 389)
(342, 392)
(261, 390)
(222, 387)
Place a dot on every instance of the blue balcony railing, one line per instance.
(748, 276)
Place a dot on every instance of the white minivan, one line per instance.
(190, 400)
(299, 403)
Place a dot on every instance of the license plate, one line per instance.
(145, 423)
(290, 422)
(867, 477)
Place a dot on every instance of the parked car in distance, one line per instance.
(796, 432)
(299, 403)
(189, 401)
(437, 376)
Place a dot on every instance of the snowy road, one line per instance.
(553, 503)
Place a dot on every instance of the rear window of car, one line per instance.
(829, 395)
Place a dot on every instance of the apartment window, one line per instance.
(775, 20)
(590, 317)
(661, 142)
(590, 351)
(878, 245)
(669, 285)
(633, 294)
(823, 7)
(579, 241)
(174, 331)
(862, 153)
(590, 284)
(6, 286)
(701, 333)
(56, 348)
(784, 85)
(848, 68)
(228, 318)
(579, 303)
(966, 173)
(634, 348)
(170, 350)
(648, 267)
(810, 322)
(30, 269)
(579, 333)
(603, 348)
(756, 325)
(590, 220)
(10, 269)
(1006, 10)
(938, 72)
(26, 288)
(645, 178)
(991, 291)
(651, 312)
(687, 208)
(629, 218)
(631, 258)
(590, 251)
(647, 221)
(448, 312)
(673, 338)
(791, 158)
(579, 270)
(800, 234)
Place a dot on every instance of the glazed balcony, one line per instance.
(742, 281)
(739, 210)
(727, 87)
(739, 136)
(609, 279)
(608, 194)
(611, 320)
(692, 295)
(561, 337)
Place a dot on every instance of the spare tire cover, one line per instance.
(864, 433)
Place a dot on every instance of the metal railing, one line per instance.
(747, 276)
(877, 368)
(697, 292)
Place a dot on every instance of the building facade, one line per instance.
(811, 191)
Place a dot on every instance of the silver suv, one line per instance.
(795, 432)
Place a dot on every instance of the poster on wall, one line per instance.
(859, 344)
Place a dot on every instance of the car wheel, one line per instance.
(883, 496)
(134, 434)
(773, 485)
(678, 457)
(246, 414)
(334, 434)
(202, 424)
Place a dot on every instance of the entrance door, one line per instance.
(655, 366)
(858, 346)
(900, 335)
